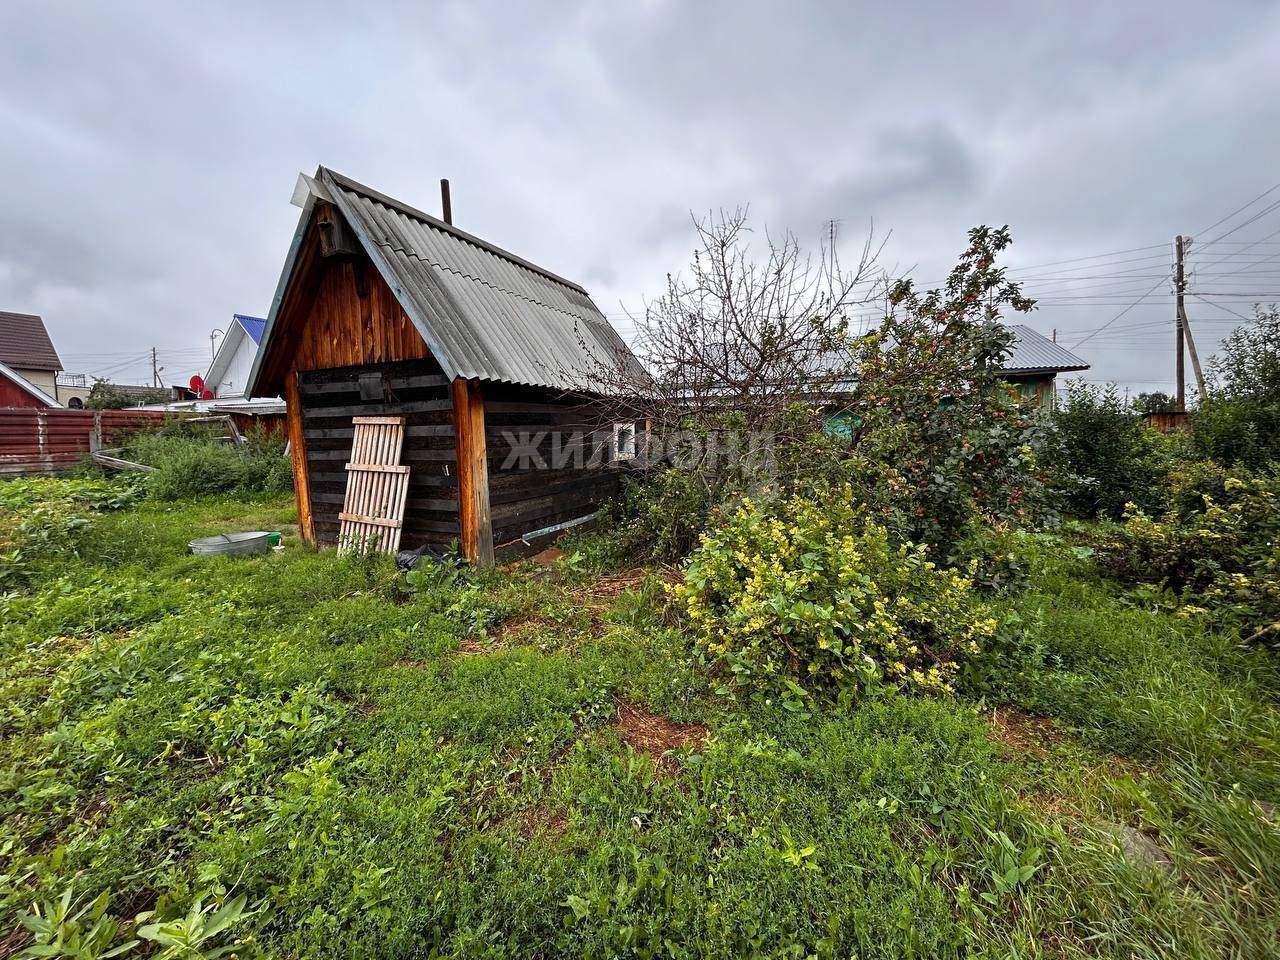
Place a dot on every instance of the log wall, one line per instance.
(537, 494)
(414, 389)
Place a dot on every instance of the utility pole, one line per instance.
(155, 370)
(1184, 332)
(1180, 283)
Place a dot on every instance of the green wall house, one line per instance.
(1035, 362)
(1032, 368)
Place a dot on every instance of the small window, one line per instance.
(624, 441)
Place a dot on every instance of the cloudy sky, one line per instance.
(149, 150)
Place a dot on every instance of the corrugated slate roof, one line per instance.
(1033, 351)
(485, 313)
(253, 326)
(25, 343)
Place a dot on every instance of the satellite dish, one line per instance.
(206, 395)
(196, 384)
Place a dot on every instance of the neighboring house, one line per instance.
(228, 374)
(17, 390)
(1034, 363)
(74, 390)
(384, 310)
(25, 348)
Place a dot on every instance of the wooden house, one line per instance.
(1034, 363)
(31, 364)
(16, 390)
(383, 310)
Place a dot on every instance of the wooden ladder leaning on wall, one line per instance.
(377, 484)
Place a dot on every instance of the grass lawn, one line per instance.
(536, 763)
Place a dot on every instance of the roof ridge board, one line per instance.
(356, 187)
(412, 254)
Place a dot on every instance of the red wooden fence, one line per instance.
(33, 440)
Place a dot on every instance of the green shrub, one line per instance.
(939, 435)
(1234, 432)
(814, 593)
(1224, 557)
(1240, 424)
(1104, 455)
(1191, 481)
(662, 516)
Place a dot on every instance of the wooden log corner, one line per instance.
(476, 524)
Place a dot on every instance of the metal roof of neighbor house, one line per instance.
(25, 343)
(486, 314)
(253, 326)
(1034, 352)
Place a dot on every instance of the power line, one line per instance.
(1121, 313)
(1256, 217)
(1098, 256)
(1240, 210)
(1226, 308)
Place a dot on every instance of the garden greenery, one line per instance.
(1105, 456)
(43, 520)
(937, 431)
(1223, 557)
(811, 592)
(196, 465)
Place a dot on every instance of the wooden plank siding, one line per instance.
(414, 389)
(524, 497)
(337, 312)
(339, 321)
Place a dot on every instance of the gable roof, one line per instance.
(25, 343)
(26, 385)
(253, 326)
(484, 312)
(1033, 352)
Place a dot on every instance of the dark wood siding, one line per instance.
(414, 389)
(541, 492)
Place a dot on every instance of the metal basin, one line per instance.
(231, 544)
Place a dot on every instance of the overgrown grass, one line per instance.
(389, 773)
(197, 465)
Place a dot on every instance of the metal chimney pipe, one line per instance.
(445, 206)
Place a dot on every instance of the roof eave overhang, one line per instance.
(1029, 371)
(315, 191)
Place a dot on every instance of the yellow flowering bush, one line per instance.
(816, 594)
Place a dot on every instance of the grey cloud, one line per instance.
(150, 150)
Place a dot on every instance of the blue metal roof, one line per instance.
(253, 326)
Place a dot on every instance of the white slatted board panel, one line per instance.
(373, 510)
